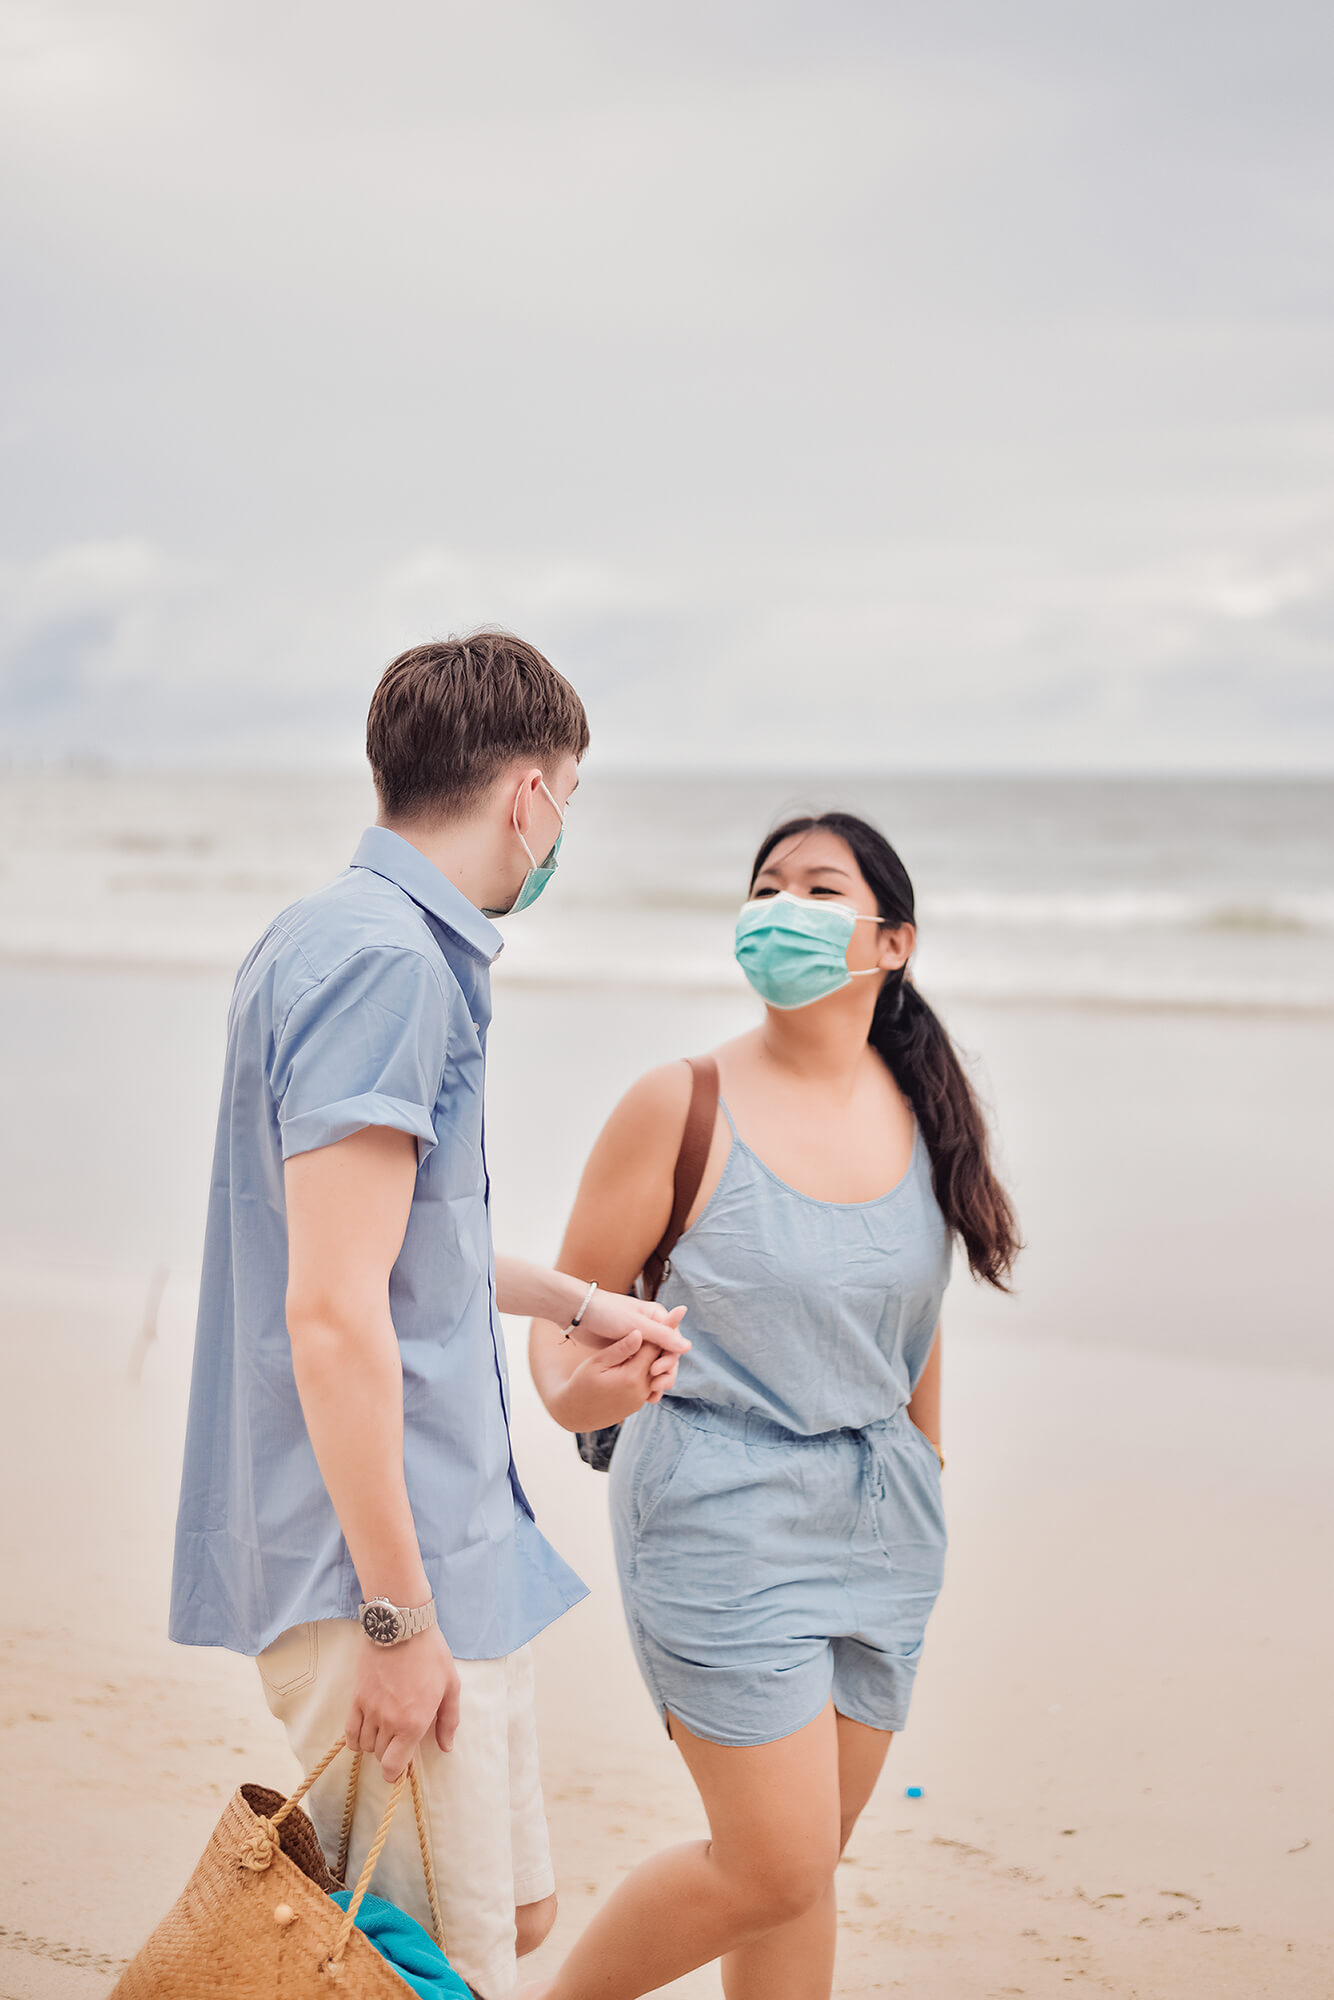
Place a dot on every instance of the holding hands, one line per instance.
(611, 1383)
(623, 1353)
(611, 1316)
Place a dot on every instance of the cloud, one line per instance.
(74, 626)
(434, 591)
(117, 650)
(811, 383)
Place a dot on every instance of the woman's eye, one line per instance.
(759, 894)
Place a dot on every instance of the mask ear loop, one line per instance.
(551, 795)
(867, 971)
(514, 820)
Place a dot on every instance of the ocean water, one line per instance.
(1161, 893)
(1140, 976)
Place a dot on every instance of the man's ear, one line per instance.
(522, 788)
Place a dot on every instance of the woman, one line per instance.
(777, 1516)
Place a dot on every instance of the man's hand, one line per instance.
(555, 1296)
(609, 1386)
(399, 1694)
(611, 1316)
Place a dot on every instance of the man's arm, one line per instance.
(347, 1212)
(635, 1344)
(531, 1291)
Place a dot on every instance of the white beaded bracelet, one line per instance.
(583, 1308)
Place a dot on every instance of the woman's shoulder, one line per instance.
(658, 1098)
(655, 1105)
(643, 1133)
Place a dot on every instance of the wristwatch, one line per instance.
(387, 1624)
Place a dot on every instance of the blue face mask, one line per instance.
(535, 881)
(794, 949)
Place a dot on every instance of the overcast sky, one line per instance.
(906, 386)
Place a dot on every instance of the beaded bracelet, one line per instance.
(583, 1308)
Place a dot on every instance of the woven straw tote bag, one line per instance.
(255, 1922)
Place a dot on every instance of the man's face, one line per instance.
(562, 783)
(534, 803)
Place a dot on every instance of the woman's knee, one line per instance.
(789, 1896)
(777, 1888)
(532, 1925)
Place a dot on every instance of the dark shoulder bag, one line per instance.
(596, 1447)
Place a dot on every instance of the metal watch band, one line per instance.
(389, 1624)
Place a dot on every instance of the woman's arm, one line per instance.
(622, 1207)
(924, 1403)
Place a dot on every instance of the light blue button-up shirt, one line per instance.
(365, 1004)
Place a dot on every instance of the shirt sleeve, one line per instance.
(366, 1045)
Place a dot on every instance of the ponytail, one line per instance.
(913, 1044)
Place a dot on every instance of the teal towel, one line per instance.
(414, 1956)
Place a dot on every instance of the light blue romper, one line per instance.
(778, 1522)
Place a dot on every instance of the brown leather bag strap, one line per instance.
(696, 1140)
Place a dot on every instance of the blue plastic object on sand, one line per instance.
(913, 1792)
(399, 1938)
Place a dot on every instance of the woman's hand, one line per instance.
(608, 1386)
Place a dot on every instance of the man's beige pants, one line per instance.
(485, 1817)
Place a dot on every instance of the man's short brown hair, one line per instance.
(449, 716)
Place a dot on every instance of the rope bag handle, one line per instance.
(409, 1778)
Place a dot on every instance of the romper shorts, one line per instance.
(763, 1571)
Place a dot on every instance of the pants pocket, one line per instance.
(289, 1664)
(671, 1440)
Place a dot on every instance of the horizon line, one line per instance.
(74, 764)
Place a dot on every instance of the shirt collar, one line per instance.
(388, 854)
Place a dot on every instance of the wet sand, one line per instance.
(1122, 1729)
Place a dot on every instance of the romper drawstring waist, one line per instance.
(752, 1428)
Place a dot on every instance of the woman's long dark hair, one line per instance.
(921, 1059)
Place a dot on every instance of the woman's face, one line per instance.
(821, 865)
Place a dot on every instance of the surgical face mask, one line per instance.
(539, 874)
(794, 949)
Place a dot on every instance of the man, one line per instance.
(350, 1511)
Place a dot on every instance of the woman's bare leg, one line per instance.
(796, 1961)
(773, 1814)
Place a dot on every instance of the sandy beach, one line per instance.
(919, 414)
(1121, 1729)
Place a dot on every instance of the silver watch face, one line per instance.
(383, 1623)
